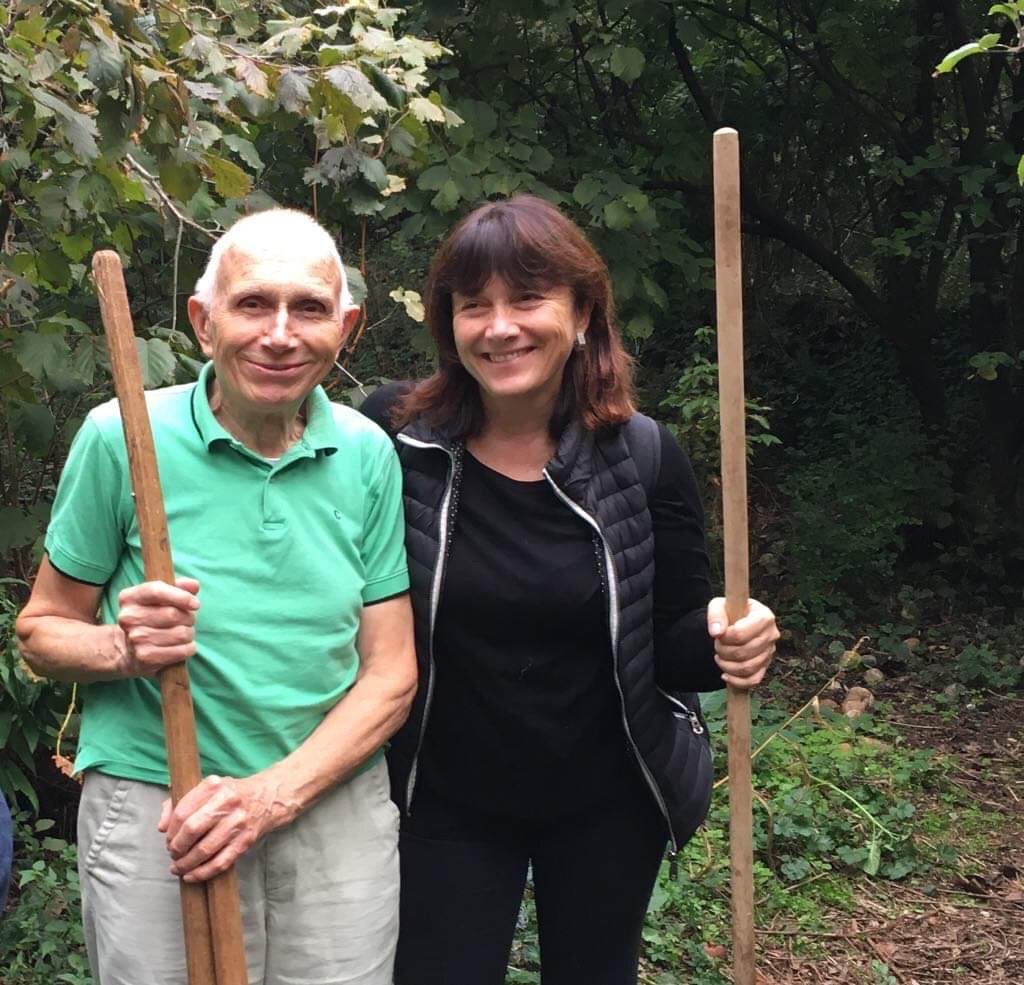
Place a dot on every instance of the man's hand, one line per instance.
(219, 820)
(743, 650)
(157, 621)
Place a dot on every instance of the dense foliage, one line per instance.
(884, 262)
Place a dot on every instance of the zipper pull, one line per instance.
(695, 724)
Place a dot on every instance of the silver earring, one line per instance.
(581, 340)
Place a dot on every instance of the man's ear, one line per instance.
(199, 316)
(348, 322)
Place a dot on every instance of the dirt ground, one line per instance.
(961, 925)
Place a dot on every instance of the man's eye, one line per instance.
(251, 304)
(312, 308)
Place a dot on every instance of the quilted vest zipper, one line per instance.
(444, 534)
(613, 624)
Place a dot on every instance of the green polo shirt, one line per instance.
(287, 553)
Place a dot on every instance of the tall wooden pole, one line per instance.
(729, 297)
(214, 947)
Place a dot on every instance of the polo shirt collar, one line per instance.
(319, 435)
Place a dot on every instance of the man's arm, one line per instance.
(215, 823)
(60, 638)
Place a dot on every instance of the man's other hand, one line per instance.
(219, 820)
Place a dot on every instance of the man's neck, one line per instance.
(268, 434)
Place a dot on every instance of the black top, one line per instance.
(526, 719)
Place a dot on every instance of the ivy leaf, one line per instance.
(156, 361)
(425, 111)
(293, 91)
(627, 63)
(229, 179)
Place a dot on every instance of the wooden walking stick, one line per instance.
(729, 298)
(214, 947)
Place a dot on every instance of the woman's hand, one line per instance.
(743, 650)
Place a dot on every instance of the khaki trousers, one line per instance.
(319, 897)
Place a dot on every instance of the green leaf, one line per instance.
(627, 63)
(1020, 170)
(32, 29)
(373, 171)
(34, 424)
(356, 284)
(447, 197)
(640, 326)
(41, 355)
(955, 57)
(156, 361)
(229, 180)
(586, 190)
(617, 215)
(104, 64)
(1005, 9)
(53, 268)
(390, 89)
(180, 178)
(349, 80)
(293, 91)
(75, 247)
(79, 129)
(433, 178)
(245, 150)
(874, 858)
(425, 111)
(17, 529)
(541, 160)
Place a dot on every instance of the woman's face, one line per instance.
(515, 342)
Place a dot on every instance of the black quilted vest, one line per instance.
(596, 477)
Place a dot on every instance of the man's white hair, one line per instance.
(278, 226)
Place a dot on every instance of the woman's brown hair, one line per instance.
(527, 243)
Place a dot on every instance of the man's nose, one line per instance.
(279, 334)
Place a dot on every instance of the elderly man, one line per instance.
(287, 510)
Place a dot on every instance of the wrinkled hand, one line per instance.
(216, 822)
(743, 650)
(158, 623)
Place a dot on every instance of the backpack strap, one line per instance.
(644, 442)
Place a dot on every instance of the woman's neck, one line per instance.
(514, 441)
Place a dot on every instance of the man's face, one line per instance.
(274, 328)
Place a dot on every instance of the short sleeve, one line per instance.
(87, 529)
(383, 544)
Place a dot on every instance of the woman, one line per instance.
(558, 604)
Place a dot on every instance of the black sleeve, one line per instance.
(683, 651)
(379, 404)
